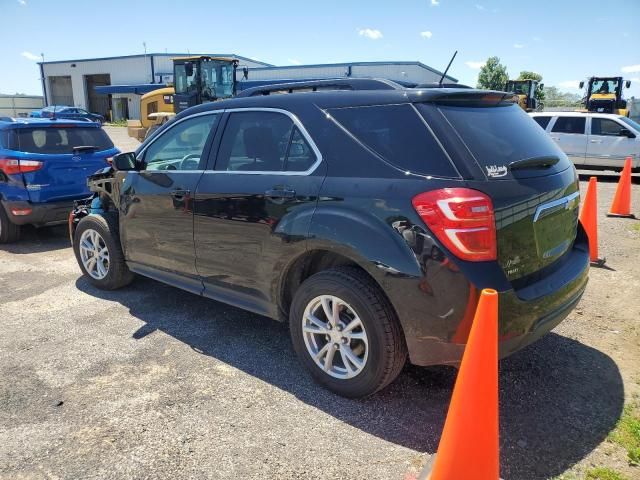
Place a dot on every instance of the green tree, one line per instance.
(526, 75)
(493, 75)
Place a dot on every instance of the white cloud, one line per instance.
(571, 84)
(635, 80)
(293, 61)
(479, 7)
(474, 65)
(631, 69)
(518, 45)
(31, 56)
(435, 3)
(537, 39)
(371, 33)
(22, 2)
(426, 34)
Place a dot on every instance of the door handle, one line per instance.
(180, 193)
(596, 141)
(278, 193)
(555, 138)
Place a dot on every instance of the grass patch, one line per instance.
(604, 473)
(627, 433)
(117, 123)
(636, 227)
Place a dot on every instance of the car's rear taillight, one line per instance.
(462, 219)
(13, 166)
(109, 160)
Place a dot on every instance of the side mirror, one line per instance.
(541, 86)
(627, 83)
(188, 69)
(625, 132)
(124, 162)
(581, 85)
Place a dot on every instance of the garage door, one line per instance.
(98, 103)
(61, 91)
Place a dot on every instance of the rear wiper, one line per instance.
(84, 148)
(533, 162)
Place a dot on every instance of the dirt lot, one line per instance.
(153, 382)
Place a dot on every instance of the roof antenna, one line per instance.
(447, 69)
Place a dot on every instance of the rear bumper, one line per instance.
(40, 214)
(438, 334)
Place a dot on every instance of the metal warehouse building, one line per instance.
(123, 79)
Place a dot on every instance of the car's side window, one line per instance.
(542, 121)
(606, 127)
(569, 125)
(257, 141)
(180, 147)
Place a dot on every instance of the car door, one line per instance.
(253, 209)
(607, 146)
(570, 135)
(156, 217)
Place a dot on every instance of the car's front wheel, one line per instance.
(96, 244)
(346, 333)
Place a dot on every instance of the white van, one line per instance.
(594, 140)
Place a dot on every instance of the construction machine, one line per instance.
(604, 95)
(196, 80)
(526, 90)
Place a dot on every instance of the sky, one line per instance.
(566, 41)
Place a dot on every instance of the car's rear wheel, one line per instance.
(96, 245)
(346, 333)
(9, 232)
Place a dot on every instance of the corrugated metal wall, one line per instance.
(391, 71)
(19, 105)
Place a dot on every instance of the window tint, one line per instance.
(542, 121)
(497, 136)
(59, 140)
(263, 142)
(300, 156)
(604, 126)
(569, 125)
(180, 147)
(397, 134)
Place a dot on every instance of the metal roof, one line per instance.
(182, 54)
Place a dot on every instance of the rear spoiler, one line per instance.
(471, 98)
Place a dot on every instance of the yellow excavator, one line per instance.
(526, 92)
(196, 80)
(604, 95)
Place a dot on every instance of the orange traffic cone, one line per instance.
(469, 447)
(589, 220)
(621, 206)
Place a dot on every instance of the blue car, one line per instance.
(44, 166)
(71, 113)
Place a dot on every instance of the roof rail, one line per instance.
(320, 85)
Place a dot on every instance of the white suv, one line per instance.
(594, 140)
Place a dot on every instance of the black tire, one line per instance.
(9, 232)
(106, 225)
(387, 349)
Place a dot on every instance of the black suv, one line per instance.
(368, 220)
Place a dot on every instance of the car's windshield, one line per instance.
(632, 123)
(604, 87)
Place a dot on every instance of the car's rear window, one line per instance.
(59, 140)
(398, 134)
(498, 136)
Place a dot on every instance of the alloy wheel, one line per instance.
(94, 254)
(335, 337)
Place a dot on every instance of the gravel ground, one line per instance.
(154, 382)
